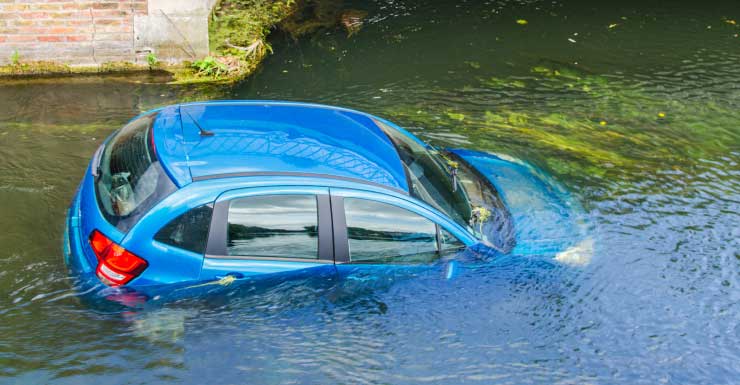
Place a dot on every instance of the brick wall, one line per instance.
(69, 31)
(90, 32)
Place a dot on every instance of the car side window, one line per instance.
(283, 226)
(188, 231)
(383, 233)
(448, 243)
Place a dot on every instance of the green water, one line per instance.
(633, 105)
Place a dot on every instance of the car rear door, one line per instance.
(267, 230)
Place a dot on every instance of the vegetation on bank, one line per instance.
(20, 68)
(238, 32)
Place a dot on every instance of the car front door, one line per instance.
(256, 231)
(372, 229)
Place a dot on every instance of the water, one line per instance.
(659, 178)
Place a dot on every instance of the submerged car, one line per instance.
(202, 191)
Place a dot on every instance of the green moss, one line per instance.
(497, 83)
(240, 23)
(644, 132)
(34, 68)
(238, 32)
(455, 116)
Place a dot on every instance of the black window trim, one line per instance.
(216, 247)
(298, 174)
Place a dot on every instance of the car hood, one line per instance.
(547, 219)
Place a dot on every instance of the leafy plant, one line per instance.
(151, 59)
(15, 58)
(210, 66)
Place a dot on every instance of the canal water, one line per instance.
(634, 106)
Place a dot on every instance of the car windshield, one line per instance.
(494, 224)
(130, 179)
(430, 178)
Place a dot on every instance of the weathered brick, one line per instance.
(22, 23)
(108, 21)
(51, 38)
(79, 37)
(68, 15)
(48, 7)
(62, 30)
(107, 13)
(15, 7)
(103, 29)
(20, 38)
(81, 22)
(105, 6)
(33, 15)
(76, 5)
(110, 38)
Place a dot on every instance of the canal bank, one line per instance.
(193, 40)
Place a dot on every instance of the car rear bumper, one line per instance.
(73, 246)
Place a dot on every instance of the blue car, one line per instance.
(238, 189)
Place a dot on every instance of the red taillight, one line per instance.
(116, 265)
(99, 243)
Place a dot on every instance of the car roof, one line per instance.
(275, 138)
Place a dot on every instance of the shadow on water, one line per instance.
(330, 321)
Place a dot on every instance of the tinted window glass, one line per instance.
(448, 242)
(274, 226)
(431, 180)
(383, 233)
(130, 180)
(189, 231)
(499, 228)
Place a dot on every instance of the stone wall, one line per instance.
(93, 32)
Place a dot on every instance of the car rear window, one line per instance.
(189, 231)
(130, 180)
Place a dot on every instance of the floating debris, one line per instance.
(730, 21)
(571, 40)
(522, 22)
(352, 20)
(456, 116)
(603, 123)
(661, 115)
(612, 26)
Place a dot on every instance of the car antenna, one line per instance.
(201, 130)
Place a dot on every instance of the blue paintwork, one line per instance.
(546, 217)
(170, 144)
(289, 137)
(292, 137)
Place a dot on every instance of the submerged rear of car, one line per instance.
(145, 211)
